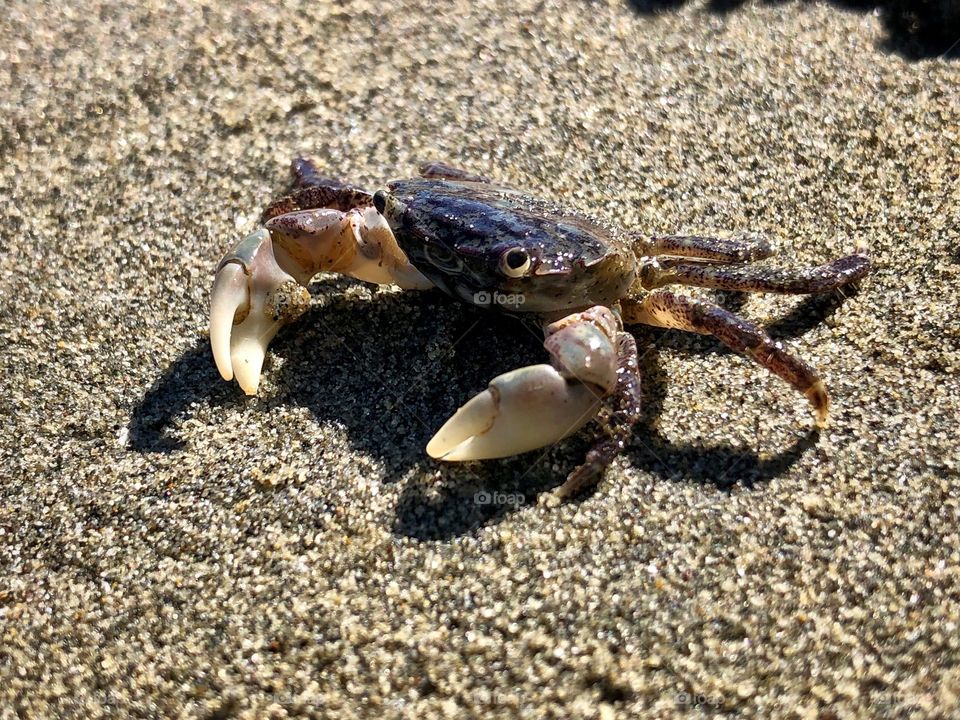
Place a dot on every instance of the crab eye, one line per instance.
(515, 262)
(380, 201)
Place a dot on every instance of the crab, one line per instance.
(493, 246)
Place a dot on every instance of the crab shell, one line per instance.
(461, 236)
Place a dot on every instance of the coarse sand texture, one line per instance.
(170, 547)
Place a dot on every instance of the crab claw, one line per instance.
(252, 297)
(521, 410)
(538, 405)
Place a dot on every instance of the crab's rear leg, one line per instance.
(663, 308)
(443, 171)
(260, 283)
(823, 278)
(740, 249)
(704, 262)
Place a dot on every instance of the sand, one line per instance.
(170, 547)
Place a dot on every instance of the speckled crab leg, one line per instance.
(663, 308)
(442, 171)
(321, 193)
(307, 174)
(260, 283)
(658, 273)
(624, 413)
(740, 249)
(537, 405)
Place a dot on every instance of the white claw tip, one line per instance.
(473, 419)
(228, 296)
(247, 360)
(522, 410)
(244, 310)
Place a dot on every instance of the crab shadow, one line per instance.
(190, 378)
(461, 498)
(391, 367)
(916, 29)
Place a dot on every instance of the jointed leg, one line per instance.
(305, 173)
(666, 309)
(840, 272)
(442, 171)
(315, 191)
(742, 249)
(618, 421)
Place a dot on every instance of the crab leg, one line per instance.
(307, 174)
(312, 191)
(443, 171)
(324, 194)
(623, 415)
(742, 249)
(835, 274)
(537, 405)
(665, 309)
(260, 283)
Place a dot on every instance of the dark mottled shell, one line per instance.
(456, 232)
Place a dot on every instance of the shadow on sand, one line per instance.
(392, 387)
(916, 29)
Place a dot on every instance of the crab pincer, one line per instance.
(537, 405)
(261, 283)
(254, 294)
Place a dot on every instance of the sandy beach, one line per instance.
(172, 548)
